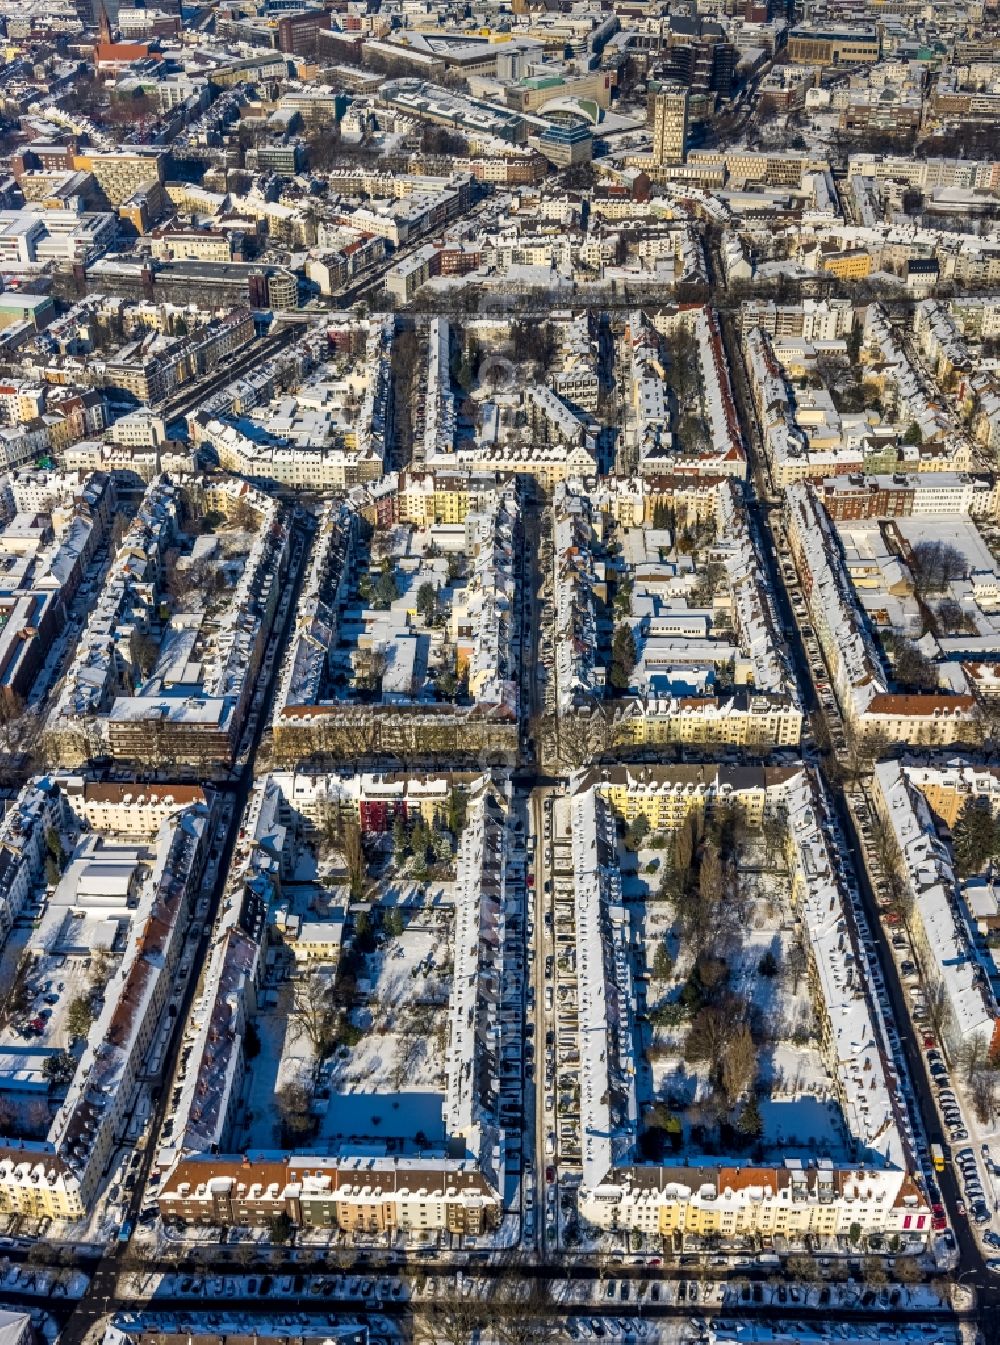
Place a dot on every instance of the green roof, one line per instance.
(542, 82)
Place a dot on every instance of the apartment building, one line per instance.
(155, 365)
(425, 498)
(906, 799)
(672, 697)
(670, 124)
(43, 565)
(22, 848)
(812, 320)
(759, 720)
(311, 719)
(847, 498)
(207, 245)
(129, 810)
(305, 440)
(121, 173)
(743, 1205)
(356, 1195)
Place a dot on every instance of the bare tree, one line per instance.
(873, 1272)
(934, 565)
(328, 824)
(38, 1118)
(523, 1318)
(244, 515)
(101, 963)
(937, 1008)
(907, 1270)
(178, 581)
(797, 961)
(146, 651)
(983, 1089)
(973, 1056)
(684, 841)
(739, 1064)
(450, 1321)
(942, 1288)
(710, 875)
(294, 1106)
(574, 739)
(374, 670)
(11, 708)
(774, 830)
(20, 728)
(118, 530)
(18, 996)
(312, 1013)
(802, 1268)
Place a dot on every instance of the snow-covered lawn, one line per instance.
(404, 1017)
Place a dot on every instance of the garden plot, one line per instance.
(402, 1014)
(729, 1045)
(355, 1052)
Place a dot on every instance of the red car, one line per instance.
(550, 1173)
(531, 880)
(929, 1043)
(938, 1223)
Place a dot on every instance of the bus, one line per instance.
(937, 1157)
